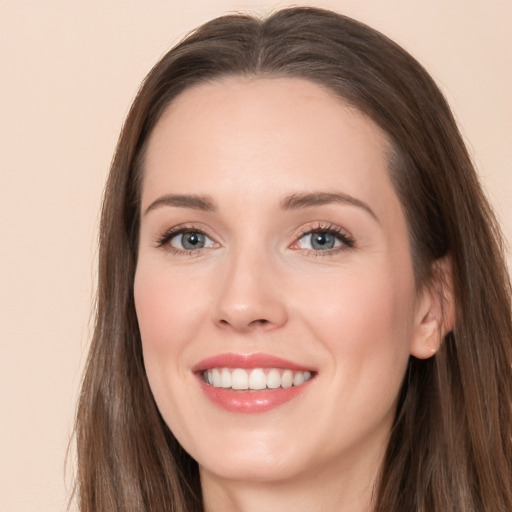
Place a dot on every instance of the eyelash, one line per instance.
(347, 242)
(163, 241)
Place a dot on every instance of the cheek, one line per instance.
(365, 327)
(374, 305)
(153, 304)
(166, 308)
(168, 316)
(364, 321)
(164, 314)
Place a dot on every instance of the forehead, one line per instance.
(282, 133)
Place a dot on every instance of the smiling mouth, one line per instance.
(252, 383)
(256, 379)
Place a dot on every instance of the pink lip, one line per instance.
(249, 402)
(247, 361)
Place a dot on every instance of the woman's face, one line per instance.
(274, 255)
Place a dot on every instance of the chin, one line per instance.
(254, 469)
(258, 458)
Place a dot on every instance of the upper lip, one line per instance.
(247, 361)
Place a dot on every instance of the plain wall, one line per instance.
(69, 71)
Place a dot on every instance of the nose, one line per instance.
(250, 296)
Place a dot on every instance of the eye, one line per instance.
(319, 241)
(190, 240)
(185, 240)
(324, 239)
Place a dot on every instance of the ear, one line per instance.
(435, 311)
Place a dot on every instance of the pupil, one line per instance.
(193, 240)
(322, 241)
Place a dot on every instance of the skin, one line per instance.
(351, 313)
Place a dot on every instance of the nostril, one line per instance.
(261, 321)
(253, 324)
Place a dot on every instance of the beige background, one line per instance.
(68, 73)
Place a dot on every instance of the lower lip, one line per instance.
(251, 402)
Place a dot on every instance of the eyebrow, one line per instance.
(297, 201)
(292, 202)
(192, 201)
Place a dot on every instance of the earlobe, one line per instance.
(435, 312)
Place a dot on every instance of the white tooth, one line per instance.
(216, 378)
(273, 379)
(257, 379)
(209, 377)
(225, 378)
(298, 378)
(307, 376)
(287, 379)
(239, 379)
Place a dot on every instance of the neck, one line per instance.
(330, 490)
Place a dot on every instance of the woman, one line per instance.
(302, 298)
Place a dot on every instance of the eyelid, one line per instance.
(162, 240)
(346, 239)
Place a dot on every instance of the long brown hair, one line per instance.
(451, 444)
